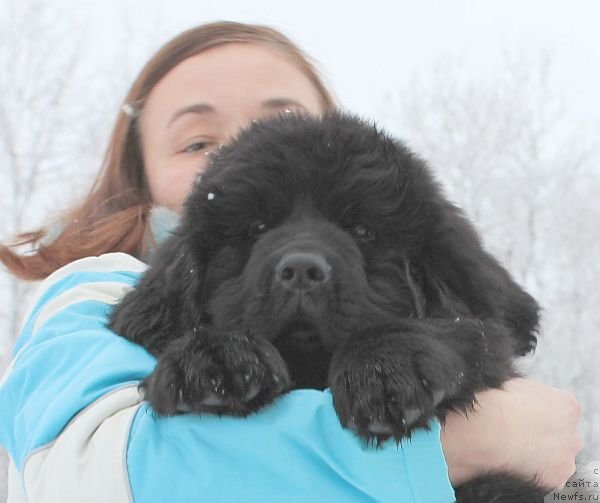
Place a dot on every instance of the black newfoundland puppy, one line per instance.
(319, 252)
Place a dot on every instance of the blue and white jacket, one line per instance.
(77, 429)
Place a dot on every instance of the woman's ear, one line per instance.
(457, 266)
(161, 307)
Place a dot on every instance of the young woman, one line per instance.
(72, 419)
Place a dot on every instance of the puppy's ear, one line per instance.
(457, 266)
(161, 307)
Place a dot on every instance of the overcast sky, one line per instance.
(368, 47)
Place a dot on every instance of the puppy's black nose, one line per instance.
(302, 271)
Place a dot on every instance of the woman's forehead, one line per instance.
(230, 76)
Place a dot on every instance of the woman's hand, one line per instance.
(526, 428)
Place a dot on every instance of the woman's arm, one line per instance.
(527, 428)
(74, 423)
(77, 429)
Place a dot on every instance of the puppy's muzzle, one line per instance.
(302, 271)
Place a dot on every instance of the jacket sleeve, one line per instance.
(77, 429)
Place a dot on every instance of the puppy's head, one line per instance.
(307, 230)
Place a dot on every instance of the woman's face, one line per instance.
(204, 101)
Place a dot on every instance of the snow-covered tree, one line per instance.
(509, 150)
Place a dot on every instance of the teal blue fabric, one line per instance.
(162, 223)
(71, 361)
(293, 450)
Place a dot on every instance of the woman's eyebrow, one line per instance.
(197, 108)
(205, 108)
(281, 102)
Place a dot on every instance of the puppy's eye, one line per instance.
(257, 228)
(363, 233)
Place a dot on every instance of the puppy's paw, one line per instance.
(216, 372)
(392, 388)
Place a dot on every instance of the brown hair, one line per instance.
(114, 215)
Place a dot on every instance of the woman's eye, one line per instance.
(363, 233)
(197, 147)
(257, 228)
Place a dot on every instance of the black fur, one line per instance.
(322, 253)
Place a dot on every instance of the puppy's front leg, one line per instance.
(217, 372)
(389, 381)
